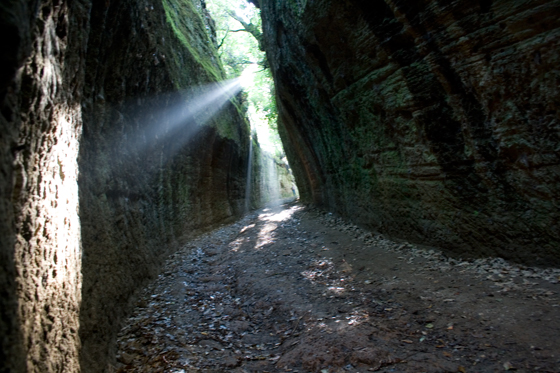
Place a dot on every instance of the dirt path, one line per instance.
(295, 289)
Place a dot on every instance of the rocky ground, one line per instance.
(294, 289)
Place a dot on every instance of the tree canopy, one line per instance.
(239, 34)
(241, 49)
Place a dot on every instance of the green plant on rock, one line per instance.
(187, 25)
(297, 6)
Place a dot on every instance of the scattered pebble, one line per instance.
(300, 290)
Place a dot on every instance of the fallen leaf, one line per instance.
(346, 268)
(461, 369)
(407, 341)
(508, 366)
(429, 326)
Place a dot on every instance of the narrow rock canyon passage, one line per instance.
(414, 144)
(293, 289)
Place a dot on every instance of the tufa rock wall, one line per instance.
(151, 175)
(433, 121)
(41, 108)
(102, 170)
(14, 20)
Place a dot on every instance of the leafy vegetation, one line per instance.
(240, 47)
(238, 34)
(192, 29)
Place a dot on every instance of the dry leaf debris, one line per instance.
(297, 289)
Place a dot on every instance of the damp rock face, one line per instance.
(103, 172)
(433, 121)
(149, 180)
(42, 81)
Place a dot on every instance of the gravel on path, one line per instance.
(296, 289)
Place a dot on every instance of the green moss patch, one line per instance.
(189, 28)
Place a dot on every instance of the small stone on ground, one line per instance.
(294, 289)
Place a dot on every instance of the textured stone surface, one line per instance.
(99, 180)
(47, 117)
(434, 121)
(143, 190)
(12, 22)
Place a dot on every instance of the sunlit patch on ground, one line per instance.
(290, 308)
(247, 227)
(265, 235)
(236, 244)
(271, 214)
(324, 272)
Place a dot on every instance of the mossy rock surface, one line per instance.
(437, 124)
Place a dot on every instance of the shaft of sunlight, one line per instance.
(207, 101)
(249, 174)
(179, 115)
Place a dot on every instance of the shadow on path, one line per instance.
(296, 289)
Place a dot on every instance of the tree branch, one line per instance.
(224, 39)
(250, 28)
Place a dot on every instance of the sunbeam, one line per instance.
(170, 119)
(185, 113)
(249, 175)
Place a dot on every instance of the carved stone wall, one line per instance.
(103, 170)
(433, 121)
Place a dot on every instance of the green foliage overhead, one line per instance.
(239, 41)
(238, 34)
